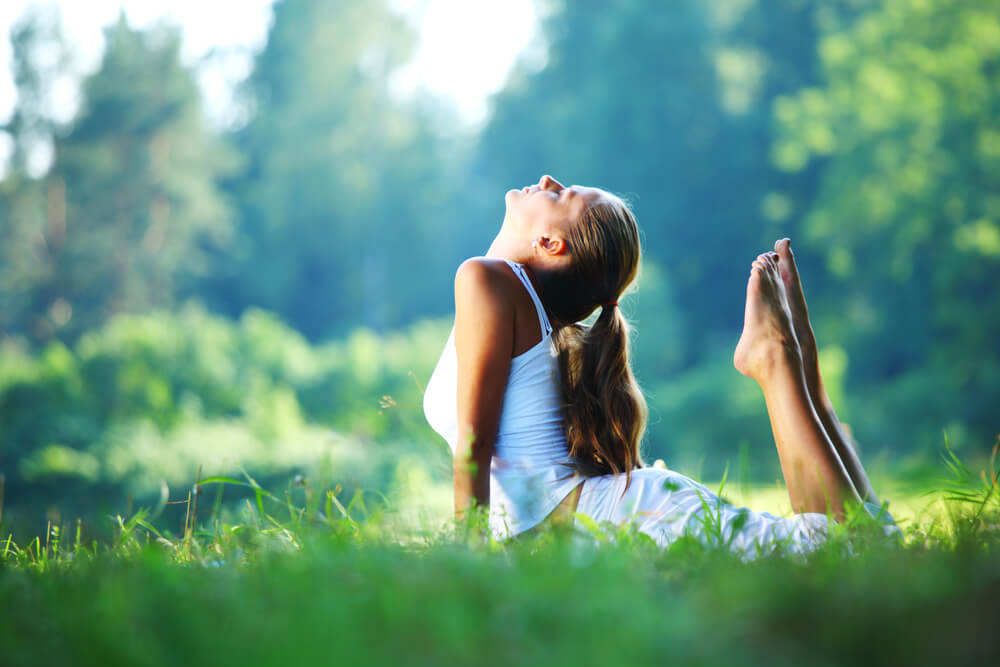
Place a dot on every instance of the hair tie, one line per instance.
(610, 303)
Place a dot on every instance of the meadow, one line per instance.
(346, 577)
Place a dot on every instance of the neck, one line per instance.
(512, 248)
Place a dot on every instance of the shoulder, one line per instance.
(484, 310)
(485, 278)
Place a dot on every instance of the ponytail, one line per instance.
(603, 407)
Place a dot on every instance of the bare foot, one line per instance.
(800, 312)
(768, 334)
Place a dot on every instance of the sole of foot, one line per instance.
(768, 334)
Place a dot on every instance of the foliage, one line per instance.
(154, 397)
(907, 215)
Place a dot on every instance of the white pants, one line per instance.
(667, 505)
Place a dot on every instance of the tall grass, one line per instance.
(313, 576)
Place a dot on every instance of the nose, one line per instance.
(549, 183)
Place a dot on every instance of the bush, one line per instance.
(150, 398)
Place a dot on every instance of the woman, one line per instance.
(544, 416)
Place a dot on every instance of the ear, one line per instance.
(552, 246)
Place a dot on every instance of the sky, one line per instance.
(489, 35)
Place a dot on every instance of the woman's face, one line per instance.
(549, 207)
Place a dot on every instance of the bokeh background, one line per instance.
(235, 250)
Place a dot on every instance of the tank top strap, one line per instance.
(522, 275)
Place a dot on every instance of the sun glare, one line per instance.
(465, 51)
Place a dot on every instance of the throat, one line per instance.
(514, 249)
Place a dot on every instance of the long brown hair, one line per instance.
(603, 407)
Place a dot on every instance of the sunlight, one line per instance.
(465, 52)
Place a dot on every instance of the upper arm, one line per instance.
(484, 340)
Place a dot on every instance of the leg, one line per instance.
(814, 381)
(768, 352)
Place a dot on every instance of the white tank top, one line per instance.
(531, 472)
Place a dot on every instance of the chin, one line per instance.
(511, 198)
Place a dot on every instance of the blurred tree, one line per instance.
(342, 203)
(768, 50)
(40, 57)
(119, 221)
(42, 63)
(22, 219)
(908, 215)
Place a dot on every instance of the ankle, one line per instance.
(777, 360)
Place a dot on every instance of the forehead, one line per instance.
(589, 196)
(580, 198)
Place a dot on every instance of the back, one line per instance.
(530, 473)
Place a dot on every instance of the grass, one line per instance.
(326, 577)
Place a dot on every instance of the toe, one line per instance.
(783, 246)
